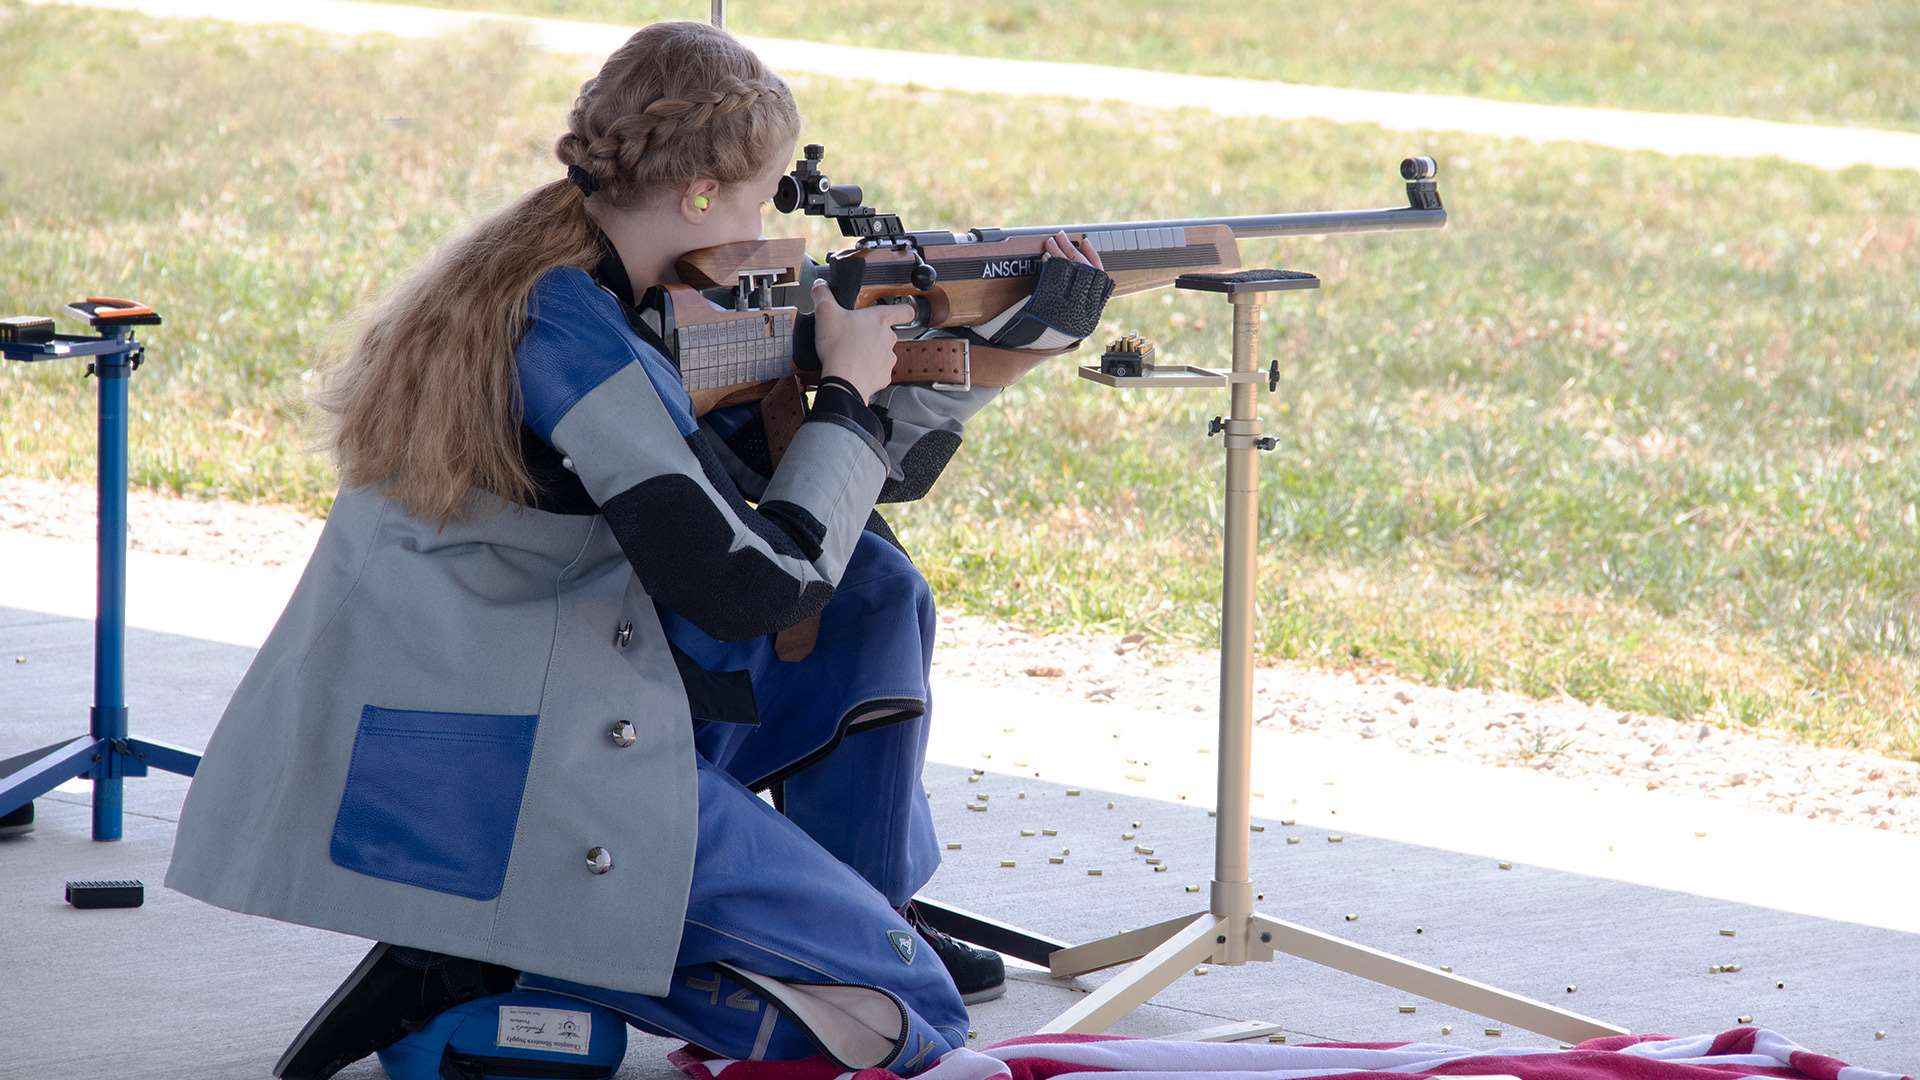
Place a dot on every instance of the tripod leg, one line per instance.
(26, 777)
(1131, 988)
(1118, 949)
(1430, 982)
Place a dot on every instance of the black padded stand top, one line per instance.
(1246, 281)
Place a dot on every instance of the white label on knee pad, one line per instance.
(559, 1030)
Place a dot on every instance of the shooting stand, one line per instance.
(1230, 931)
(106, 753)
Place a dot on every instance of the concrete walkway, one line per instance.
(1666, 133)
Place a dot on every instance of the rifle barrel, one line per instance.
(1253, 226)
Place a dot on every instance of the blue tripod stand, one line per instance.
(106, 754)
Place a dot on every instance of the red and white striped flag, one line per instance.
(1734, 1055)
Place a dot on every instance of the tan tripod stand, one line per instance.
(1230, 931)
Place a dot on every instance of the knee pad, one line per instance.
(524, 1033)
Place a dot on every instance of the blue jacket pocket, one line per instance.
(432, 798)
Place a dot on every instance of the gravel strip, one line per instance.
(1565, 738)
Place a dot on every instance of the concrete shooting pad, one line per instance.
(180, 989)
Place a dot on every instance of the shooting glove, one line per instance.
(1067, 300)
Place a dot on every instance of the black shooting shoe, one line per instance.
(393, 993)
(979, 974)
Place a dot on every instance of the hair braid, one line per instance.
(635, 132)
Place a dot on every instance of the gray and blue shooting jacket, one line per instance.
(474, 738)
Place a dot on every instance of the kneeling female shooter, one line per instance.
(513, 722)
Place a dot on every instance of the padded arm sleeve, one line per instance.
(923, 433)
(614, 405)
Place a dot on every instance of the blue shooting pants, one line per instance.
(792, 946)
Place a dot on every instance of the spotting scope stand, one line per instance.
(106, 754)
(1230, 931)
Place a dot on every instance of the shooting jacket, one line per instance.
(476, 739)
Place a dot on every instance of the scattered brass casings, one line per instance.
(972, 1034)
(1160, 869)
(1109, 805)
(1506, 866)
(1213, 813)
(979, 772)
(1126, 836)
(1072, 792)
(1726, 933)
(983, 796)
(1066, 851)
(1571, 988)
(1201, 970)
(1419, 929)
(1293, 839)
(1044, 831)
(1286, 821)
(1006, 862)
(1258, 828)
(1743, 1019)
(1446, 1029)
(1780, 985)
(1142, 849)
(1028, 832)
(1495, 1032)
(1408, 1009)
(1193, 888)
(976, 806)
(1056, 859)
(1093, 873)
(974, 779)
(1336, 838)
(1879, 1034)
(1352, 917)
(953, 845)
(1019, 794)
(1136, 778)
(1276, 1038)
(1153, 862)
(1135, 825)
(1448, 968)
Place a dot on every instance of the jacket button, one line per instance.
(622, 733)
(623, 634)
(599, 860)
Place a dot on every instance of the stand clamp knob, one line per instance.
(1215, 426)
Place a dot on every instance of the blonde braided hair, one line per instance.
(635, 136)
(425, 402)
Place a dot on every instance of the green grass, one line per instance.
(1843, 62)
(1633, 429)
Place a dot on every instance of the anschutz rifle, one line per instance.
(733, 343)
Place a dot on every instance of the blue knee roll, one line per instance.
(525, 1033)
